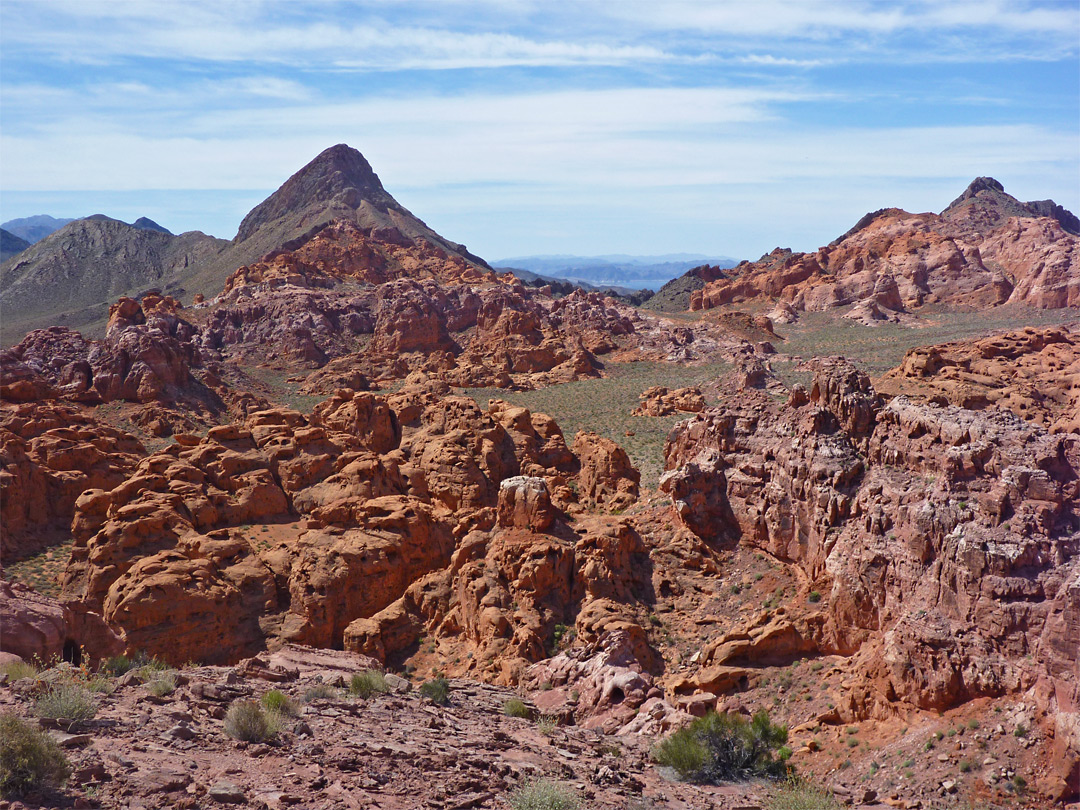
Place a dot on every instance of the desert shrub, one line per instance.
(66, 701)
(814, 597)
(322, 691)
(101, 685)
(724, 748)
(29, 758)
(117, 665)
(277, 701)
(543, 794)
(163, 683)
(798, 794)
(546, 724)
(516, 708)
(246, 720)
(436, 690)
(16, 670)
(367, 683)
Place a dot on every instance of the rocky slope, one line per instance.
(986, 249)
(74, 274)
(942, 540)
(10, 245)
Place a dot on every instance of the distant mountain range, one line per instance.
(615, 269)
(35, 228)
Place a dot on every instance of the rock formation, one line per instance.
(985, 250)
(944, 539)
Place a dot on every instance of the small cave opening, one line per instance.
(72, 652)
(617, 696)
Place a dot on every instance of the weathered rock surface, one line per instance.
(659, 401)
(291, 528)
(1035, 373)
(146, 356)
(980, 252)
(944, 539)
(50, 453)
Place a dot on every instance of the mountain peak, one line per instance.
(338, 184)
(338, 178)
(985, 204)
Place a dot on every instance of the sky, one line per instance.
(528, 127)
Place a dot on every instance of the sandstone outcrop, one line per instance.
(50, 453)
(147, 356)
(982, 251)
(945, 539)
(310, 529)
(1035, 373)
(659, 401)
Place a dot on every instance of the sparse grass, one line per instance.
(41, 570)
(878, 349)
(29, 759)
(322, 691)
(277, 701)
(17, 670)
(604, 406)
(367, 683)
(543, 794)
(437, 690)
(117, 665)
(247, 720)
(66, 702)
(162, 683)
(516, 708)
(798, 794)
(546, 724)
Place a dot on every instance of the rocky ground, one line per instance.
(394, 750)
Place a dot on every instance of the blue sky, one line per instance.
(521, 126)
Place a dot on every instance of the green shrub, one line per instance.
(546, 724)
(1021, 731)
(543, 794)
(246, 720)
(66, 701)
(798, 794)
(814, 597)
(516, 708)
(162, 684)
(277, 701)
(16, 670)
(29, 758)
(117, 665)
(436, 690)
(724, 748)
(367, 683)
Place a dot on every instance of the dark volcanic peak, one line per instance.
(339, 175)
(338, 184)
(147, 224)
